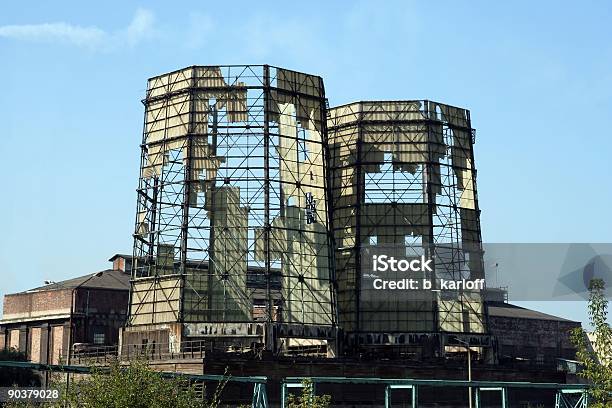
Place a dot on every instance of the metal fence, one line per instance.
(154, 351)
(562, 395)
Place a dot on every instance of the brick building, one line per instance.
(90, 309)
(530, 336)
(39, 321)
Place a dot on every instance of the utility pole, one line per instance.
(469, 364)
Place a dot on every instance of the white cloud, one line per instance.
(50, 32)
(139, 29)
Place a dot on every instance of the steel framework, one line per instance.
(259, 398)
(231, 238)
(563, 392)
(403, 176)
(255, 205)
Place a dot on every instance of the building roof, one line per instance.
(501, 309)
(107, 279)
(125, 256)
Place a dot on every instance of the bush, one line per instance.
(308, 399)
(10, 376)
(596, 364)
(135, 385)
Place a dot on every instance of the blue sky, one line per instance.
(537, 77)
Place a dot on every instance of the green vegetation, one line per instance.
(16, 376)
(597, 364)
(308, 399)
(134, 385)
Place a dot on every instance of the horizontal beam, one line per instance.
(295, 381)
(436, 383)
(166, 374)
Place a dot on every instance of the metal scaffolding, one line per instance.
(403, 177)
(250, 223)
(231, 238)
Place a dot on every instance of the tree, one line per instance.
(596, 362)
(308, 399)
(135, 385)
(10, 376)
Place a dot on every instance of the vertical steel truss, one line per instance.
(414, 396)
(260, 397)
(232, 217)
(403, 173)
(571, 398)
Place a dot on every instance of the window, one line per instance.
(98, 338)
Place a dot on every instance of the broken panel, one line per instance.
(232, 206)
(402, 173)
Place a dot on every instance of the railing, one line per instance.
(199, 349)
(193, 349)
(99, 354)
(259, 396)
(566, 395)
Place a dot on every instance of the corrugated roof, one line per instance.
(501, 309)
(107, 279)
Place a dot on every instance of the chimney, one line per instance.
(122, 263)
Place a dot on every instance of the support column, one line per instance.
(23, 340)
